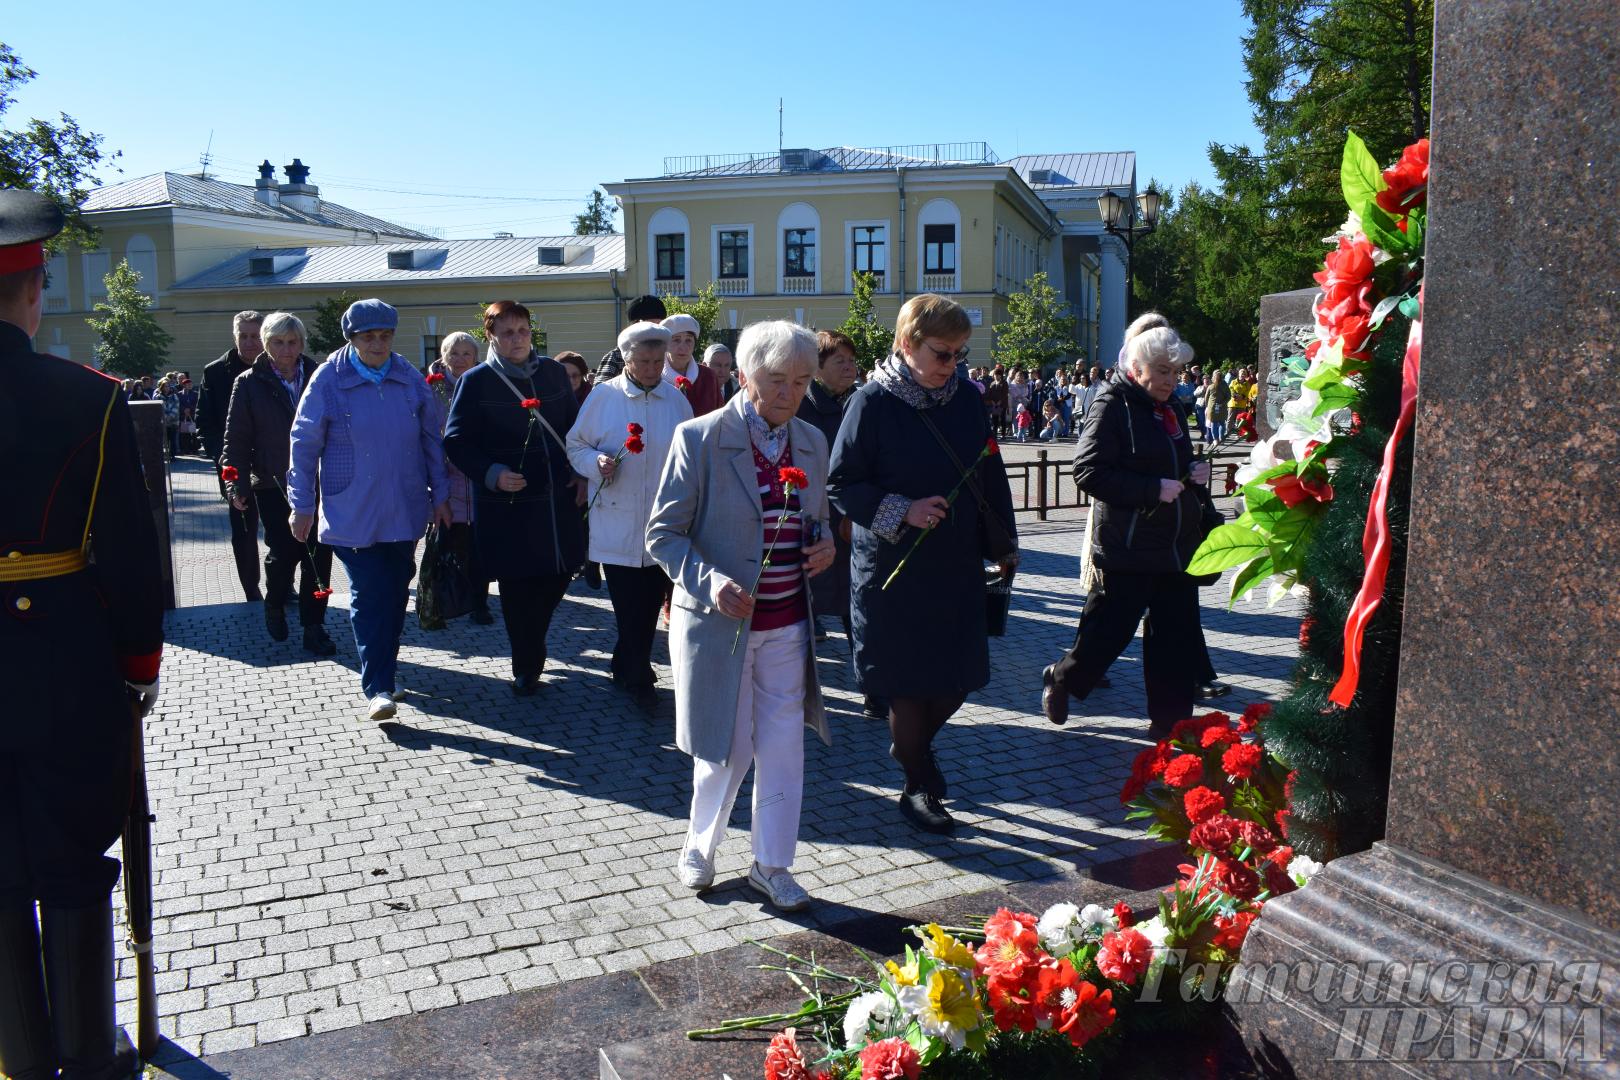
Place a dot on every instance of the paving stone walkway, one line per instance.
(315, 871)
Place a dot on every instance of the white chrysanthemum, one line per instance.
(862, 1011)
(1095, 917)
(1057, 929)
(1155, 931)
(1302, 868)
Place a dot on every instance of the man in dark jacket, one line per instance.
(648, 308)
(81, 630)
(1136, 461)
(212, 405)
(256, 459)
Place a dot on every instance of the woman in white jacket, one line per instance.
(623, 485)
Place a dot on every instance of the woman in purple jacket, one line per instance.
(367, 431)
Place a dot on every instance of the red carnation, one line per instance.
(321, 594)
(991, 447)
(1124, 955)
(634, 429)
(1202, 803)
(634, 444)
(1259, 710)
(1194, 727)
(1216, 834)
(229, 474)
(682, 383)
(1217, 736)
(1282, 855)
(1278, 883)
(1241, 761)
(791, 477)
(435, 377)
(531, 403)
(891, 1059)
(1123, 915)
(783, 1061)
(1235, 879)
(1230, 930)
(1256, 836)
(1184, 771)
(1282, 822)
(1408, 180)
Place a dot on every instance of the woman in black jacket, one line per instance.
(922, 641)
(257, 424)
(506, 429)
(1136, 461)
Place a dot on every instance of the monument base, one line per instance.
(1392, 964)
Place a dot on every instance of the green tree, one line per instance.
(873, 341)
(598, 215)
(537, 333)
(1039, 327)
(58, 158)
(705, 308)
(326, 328)
(132, 343)
(1167, 281)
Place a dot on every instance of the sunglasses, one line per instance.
(946, 357)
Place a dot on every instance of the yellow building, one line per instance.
(206, 249)
(781, 235)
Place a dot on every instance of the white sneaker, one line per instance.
(381, 708)
(695, 871)
(779, 888)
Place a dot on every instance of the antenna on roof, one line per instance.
(778, 125)
(207, 158)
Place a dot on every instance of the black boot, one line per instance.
(27, 1050)
(275, 621)
(78, 950)
(318, 642)
(925, 811)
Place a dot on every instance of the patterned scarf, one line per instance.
(769, 441)
(895, 377)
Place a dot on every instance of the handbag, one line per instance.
(996, 541)
(444, 588)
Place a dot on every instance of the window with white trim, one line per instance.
(799, 252)
(733, 255)
(670, 255)
(939, 249)
(869, 249)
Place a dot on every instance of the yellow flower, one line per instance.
(902, 976)
(946, 949)
(947, 1008)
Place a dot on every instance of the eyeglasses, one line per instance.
(946, 357)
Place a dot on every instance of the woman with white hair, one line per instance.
(718, 359)
(258, 422)
(1136, 461)
(740, 532)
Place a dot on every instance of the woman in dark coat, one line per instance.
(921, 642)
(527, 528)
(1136, 460)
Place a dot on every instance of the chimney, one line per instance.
(264, 189)
(298, 192)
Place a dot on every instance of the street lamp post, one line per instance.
(1112, 206)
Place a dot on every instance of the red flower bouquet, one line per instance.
(632, 445)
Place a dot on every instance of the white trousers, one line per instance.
(769, 734)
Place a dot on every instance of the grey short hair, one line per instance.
(776, 346)
(1159, 343)
(280, 322)
(455, 339)
(244, 316)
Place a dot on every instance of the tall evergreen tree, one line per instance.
(326, 328)
(872, 339)
(597, 217)
(132, 343)
(1166, 281)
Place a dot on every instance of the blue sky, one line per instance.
(502, 115)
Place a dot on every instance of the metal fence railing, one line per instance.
(1044, 485)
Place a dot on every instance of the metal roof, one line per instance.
(831, 159)
(179, 189)
(461, 260)
(1109, 170)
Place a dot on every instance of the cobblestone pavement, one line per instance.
(317, 871)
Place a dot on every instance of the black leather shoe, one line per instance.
(1211, 689)
(926, 812)
(645, 697)
(592, 575)
(875, 707)
(934, 782)
(1054, 698)
(526, 685)
(481, 616)
(275, 621)
(318, 642)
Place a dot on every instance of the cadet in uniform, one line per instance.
(81, 630)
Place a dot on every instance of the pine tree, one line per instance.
(1039, 327)
(132, 343)
(326, 328)
(705, 308)
(873, 340)
(598, 216)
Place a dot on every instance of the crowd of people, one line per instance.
(751, 500)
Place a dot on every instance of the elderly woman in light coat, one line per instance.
(740, 642)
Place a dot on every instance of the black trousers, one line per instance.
(244, 540)
(284, 556)
(637, 593)
(460, 539)
(59, 812)
(1172, 656)
(527, 604)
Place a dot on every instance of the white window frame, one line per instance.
(940, 211)
(888, 251)
(714, 256)
(94, 282)
(799, 215)
(667, 220)
(56, 268)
